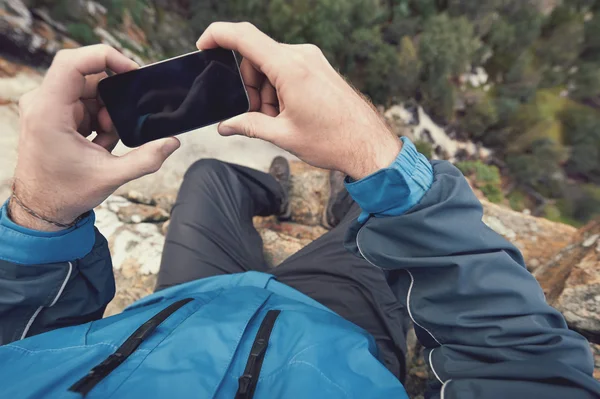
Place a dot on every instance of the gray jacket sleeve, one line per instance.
(482, 316)
(39, 298)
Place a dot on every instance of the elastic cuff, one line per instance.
(31, 247)
(395, 189)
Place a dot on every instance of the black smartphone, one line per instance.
(174, 96)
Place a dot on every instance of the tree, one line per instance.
(480, 117)
(537, 164)
(581, 132)
(409, 70)
(587, 81)
(446, 46)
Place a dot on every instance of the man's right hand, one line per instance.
(301, 104)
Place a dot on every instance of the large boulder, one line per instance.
(538, 239)
(571, 281)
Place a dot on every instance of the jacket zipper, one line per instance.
(101, 371)
(248, 381)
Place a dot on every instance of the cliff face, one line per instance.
(565, 261)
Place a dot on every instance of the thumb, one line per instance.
(147, 159)
(253, 125)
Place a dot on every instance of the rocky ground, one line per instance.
(566, 261)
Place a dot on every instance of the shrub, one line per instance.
(424, 148)
(487, 178)
(82, 33)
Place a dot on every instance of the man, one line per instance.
(327, 323)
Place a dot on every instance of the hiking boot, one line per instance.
(280, 170)
(339, 202)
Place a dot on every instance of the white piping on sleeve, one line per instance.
(62, 287)
(30, 322)
(412, 283)
(56, 298)
(432, 368)
(444, 389)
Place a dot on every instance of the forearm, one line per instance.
(476, 308)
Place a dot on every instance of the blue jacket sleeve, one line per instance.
(51, 280)
(481, 315)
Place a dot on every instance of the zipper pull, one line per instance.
(244, 386)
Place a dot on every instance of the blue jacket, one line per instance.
(482, 317)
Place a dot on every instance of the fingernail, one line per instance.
(225, 130)
(171, 146)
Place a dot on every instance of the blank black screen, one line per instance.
(174, 96)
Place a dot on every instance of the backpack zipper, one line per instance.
(248, 381)
(101, 371)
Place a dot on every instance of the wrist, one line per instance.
(375, 156)
(21, 217)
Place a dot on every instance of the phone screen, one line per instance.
(174, 96)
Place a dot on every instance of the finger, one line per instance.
(82, 119)
(90, 89)
(253, 80)
(145, 159)
(253, 125)
(105, 123)
(242, 37)
(269, 99)
(107, 139)
(89, 122)
(66, 76)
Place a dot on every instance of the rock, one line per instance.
(165, 201)
(138, 213)
(527, 232)
(165, 228)
(417, 370)
(295, 230)
(115, 202)
(131, 286)
(421, 127)
(596, 352)
(308, 194)
(571, 282)
(139, 198)
(278, 247)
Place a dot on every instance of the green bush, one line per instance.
(424, 147)
(83, 33)
(480, 117)
(487, 178)
(516, 200)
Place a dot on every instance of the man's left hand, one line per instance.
(60, 174)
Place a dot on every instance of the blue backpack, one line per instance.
(236, 336)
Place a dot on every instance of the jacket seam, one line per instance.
(432, 368)
(443, 390)
(29, 351)
(412, 281)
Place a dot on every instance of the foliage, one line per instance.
(446, 46)
(480, 117)
(537, 165)
(409, 68)
(425, 148)
(82, 33)
(516, 199)
(487, 178)
(540, 113)
(583, 134)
